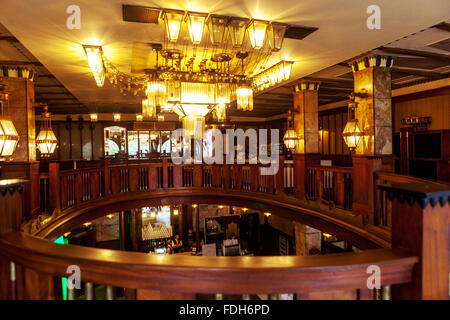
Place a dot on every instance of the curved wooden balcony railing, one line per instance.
(106, 186)
(39, 263)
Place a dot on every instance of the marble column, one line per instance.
(372, 91)
(306, 125)
(18, 82)
(307, 240)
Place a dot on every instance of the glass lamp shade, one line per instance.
(217, 25)
(94, 117)
(148, 111)
(236, 28)
(244, 97)
(156, 93)
(172, 20)
(257, 33)
(290, 139)
(285, 69)
(221, 112)
(46, 142)
(196, 23)
(8, 137)
(276, 35)
(95, 61)
(352, 134)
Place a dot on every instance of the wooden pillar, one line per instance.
(106, 178)
(372, 87)
(420, 216)
(134, 230)
(307, 239)
(54, 188)
(306, 126)
(122, 228)
(195, 211)
(406, 144)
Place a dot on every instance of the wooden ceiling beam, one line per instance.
(443, 26)
(421, 73)
(417, 53)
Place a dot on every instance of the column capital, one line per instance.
(306, 85)
(24, 71)
(371, 60)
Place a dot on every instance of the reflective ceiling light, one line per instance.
(244, 96)
(46, 140)
(116, 117)
(196, 24)
(147, 110)
(217, 25)
(173, 19)
(95, 61)
(236, 28)
(139, 117)
(8, 134)
(257, 33)
(93, 117)
(156, 93)
(276, 32)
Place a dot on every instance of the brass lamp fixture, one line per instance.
(352, 133)
(46, 140)
(95, 61)
(257, 33)
(9, 137)
(290, 138)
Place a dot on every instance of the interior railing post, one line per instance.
(109, 293)
(54, 189)
(89, 291)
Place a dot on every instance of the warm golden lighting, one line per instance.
(267, 214)
(8, 137)
(175, 212)
(67, 234)
(172, 20)
(144, 215)
(94, 117)
(275, 74)
(221, 112)
(147, 110)
(327, 235)
(116, 117)
(95, 61)
(110, 216)
(352, 131)
(160, 117)
(194, 206)
(236, 28)
(244, 96)
(220, 207)
(290, 139)
(276, 35)
(152, 214)
(217, 25)
(245, 209)
(196, 23)
(87, 224)
(257, 33)
(46, 140)
(139, 117)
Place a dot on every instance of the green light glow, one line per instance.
(63, 240)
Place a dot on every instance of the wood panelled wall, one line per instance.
(433, 103)
(331, 143)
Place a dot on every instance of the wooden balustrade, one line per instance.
(39, 265)
(331, 184)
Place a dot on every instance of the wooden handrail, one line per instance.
(187, 274)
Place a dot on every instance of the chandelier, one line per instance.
(205, 72)
(9, 137)
(46, 140)
(290, 138)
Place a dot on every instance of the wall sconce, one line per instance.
(116, 117)
(139, 117)
(46, 140)
(9, 138)
(290, 138)
(352, 131)
(95, 61)
(93, 117)
(267, 214)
